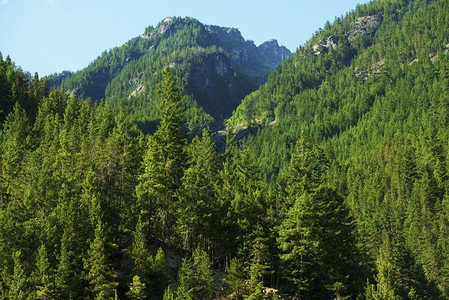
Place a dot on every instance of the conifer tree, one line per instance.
(99, 272)
(45, 287)
(158, 273)
(168, 294)
(136, 289)
(195, 277)
(197, 205)
(169, 134)
(316, 237)
(140, 255)
(18, 282)
(166, 158)
(387, 278)
(235, 278)
(13, 145)
(259, 264)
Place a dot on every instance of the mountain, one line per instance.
(340, 189)
(371, 90)
(217, 65)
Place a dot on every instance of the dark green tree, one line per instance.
(197, 206)
(169, 135)
(13, 145)
(195, 277)
(18, 283)
(45, 286)
(316, 238)
(99, 272)
(166, 158)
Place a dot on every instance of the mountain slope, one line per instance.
(217, 66)
(372, 90)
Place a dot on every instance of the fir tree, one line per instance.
(195, 277)
(139, 253)
(45, 287)
(316, 237)
(99, 272)
(197, 203)
(136, 289)
(166, 158)
(18, 282)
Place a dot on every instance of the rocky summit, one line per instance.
(217, 65)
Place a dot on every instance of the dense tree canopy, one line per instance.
(344, 196)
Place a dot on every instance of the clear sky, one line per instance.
(49, 36)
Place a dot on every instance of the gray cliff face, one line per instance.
(214, 85)
(271, 54)
(245, 55)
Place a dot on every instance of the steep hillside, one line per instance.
(372, 90)
(340, 192)
(217, 66)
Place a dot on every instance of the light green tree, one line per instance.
(136, 289)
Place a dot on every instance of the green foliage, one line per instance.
(45, 285)
(235, 277)
(197, 195)
(18, 283)
(140, 254)
(128, 75)
(195, 277)
(164, 161)
(17, 86)
(317, 236)
(344, 196)
(99, 273)
(136, 289)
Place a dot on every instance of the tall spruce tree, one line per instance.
(99, 272)
(140, 255)
(166, 157)
(169, 135)
(45, 287)
(316, 238)
(197, 205)
(196, 277)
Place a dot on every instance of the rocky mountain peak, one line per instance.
(271, 53)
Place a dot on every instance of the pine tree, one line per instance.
(168, 294)
(45, 286)
(235, 278)
(195, 277)
(99, 273)
(387, 278)
(243, 193)
(316, 237)
(13, 145)
(166, 157)
(140, 255)
(18, 282)
(169, 134)
(197, 205)
(136, 289)
(159, 273)
(68, 273)
(151, 189)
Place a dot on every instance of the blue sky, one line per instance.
(48, 36)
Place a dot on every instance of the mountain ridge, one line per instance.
(217, 65)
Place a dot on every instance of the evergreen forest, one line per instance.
(342, 192)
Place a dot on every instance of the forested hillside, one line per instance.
(216, 67)
(342, 193)
(372, 90)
